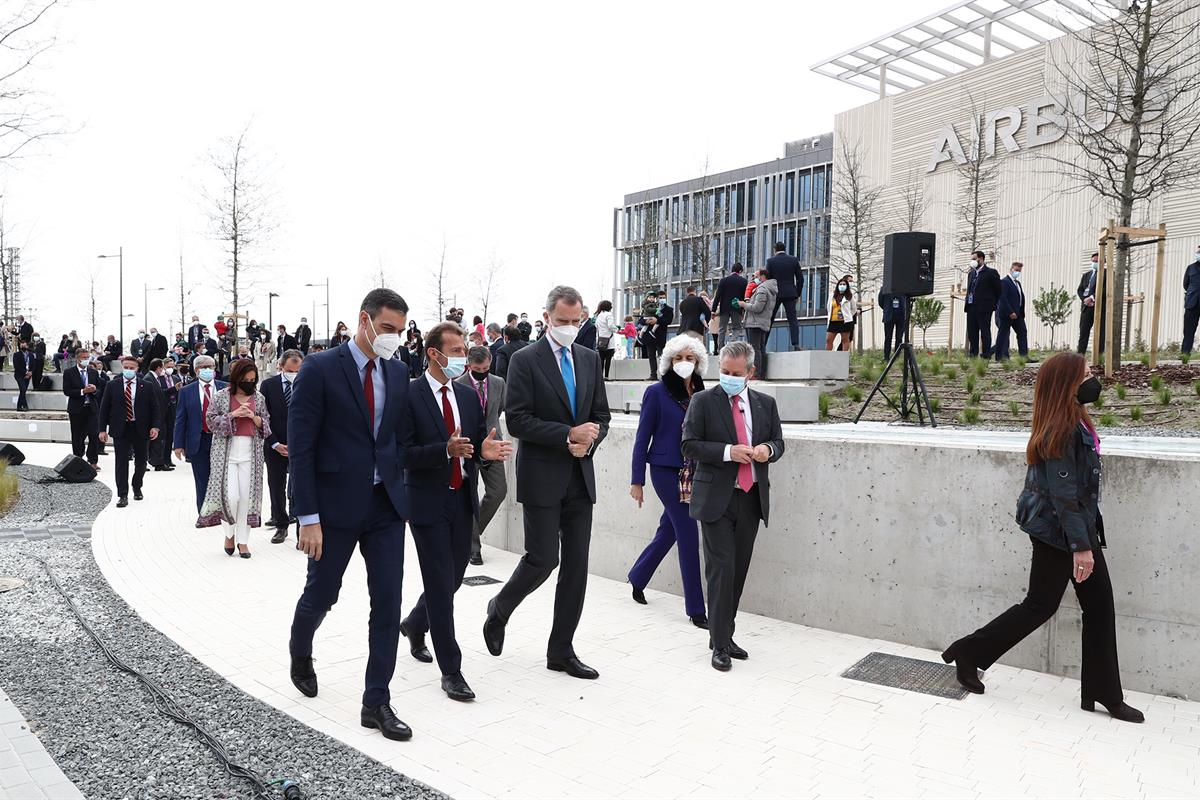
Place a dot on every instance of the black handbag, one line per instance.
(1035, 514)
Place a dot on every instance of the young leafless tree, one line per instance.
(1132, 86)
(439, 284)
(379, 278)
(92, 302)
(487, 280)
(979, 177)
(10, 272)
(704, 228)
(24, 117)
(914, 202)
(856, 235)
(240, 213)
(185, 292)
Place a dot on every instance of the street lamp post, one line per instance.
(146, 290)
(120, 256)
(270, 319)
(328, 334)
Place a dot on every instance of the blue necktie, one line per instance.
(568, 374)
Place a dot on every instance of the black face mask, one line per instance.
(479, 376)
(1089, 391)
(247, 387)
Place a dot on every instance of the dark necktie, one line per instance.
(448, 416)
(287, 393)
(129, 401)
(369, 392)
(204, 408)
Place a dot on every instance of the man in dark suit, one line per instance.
(131, 413)
(345, 448)
(894, 311)
(1010, 313)
(524, 328)
(112, 352)
(983, 292)
(557, 408)
(789, 275)
(303, 336)
(655, 337)
(81, 386)
(446, 441)
(24, 330)
(138, 346)
(693, 314)
(192, 437)
(489, 389)
(169, 381)
(195, 333)
(587, 331)
(513, 342)
(733, 434)
(1191, 302)
(23, 372)
(277, 391)
(1087, 309)
(157, 349)
(495, 341)
(284, 340)
(732, 287)
(37, 362)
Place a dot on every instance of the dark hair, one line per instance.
(124, 358)
(288, 355)
(1056, 411)
(155, 364)
(511, 318)
(511, 333)
(238, 370)
(478, 354)
(477, 320)
(439, 332)
(780, 247)
(603, 305)
(848, 294)
(980, 254)
(737, 266)
(691, 290)
(378, 299)
(1095, 255)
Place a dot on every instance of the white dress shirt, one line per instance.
(744, 397)
(557, 349)
(132, 382)
(436, 388)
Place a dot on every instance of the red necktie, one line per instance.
(129, 401)
(204, 409)
(745, 479)
(369, 391)
(448, 416)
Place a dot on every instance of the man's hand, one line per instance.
(741, 453)
(89, 389)
(179, 453)
(579, 450)
(311, 539)
(762, 454)
(282, 450)
(635, 491)
(1013, 315)
(1089, 301)
(104, 437)
(586, 433)
(153, 434)
(494, 449)
(459, 446)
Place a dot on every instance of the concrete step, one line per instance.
(803, 366)
(638, 369)
(797, 402)
(17, 429)
(38, 401)
(9, 383)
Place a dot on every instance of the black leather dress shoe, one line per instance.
(416, 645)
(271, 523)
(137, 494)
(1121, 711)
(493, 630)
(965, 671)
(720, 660)
(280, 536)
(639, 596)
(573, 667)
(476, 559)
(303, 676)
(736, 652)
(122, 502)
(383, 718)
(700, 621)
(455, 687)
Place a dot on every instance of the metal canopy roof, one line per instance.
(959, 38)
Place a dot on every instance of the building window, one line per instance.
(805, 191)
(789, 197)
(820, 201)
(790, 241)
(802, 242)
(751, 193)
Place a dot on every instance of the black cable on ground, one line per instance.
(171, 709)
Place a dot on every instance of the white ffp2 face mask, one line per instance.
(684, 369)
(565, 334)
(385, 345)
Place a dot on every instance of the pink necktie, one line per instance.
(745, 479)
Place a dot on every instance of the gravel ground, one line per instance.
(75, 505)
(101, 726)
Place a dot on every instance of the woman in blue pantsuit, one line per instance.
(658, 444)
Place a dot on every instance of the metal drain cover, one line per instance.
(8, 584)
(914, 675)
(479, 580)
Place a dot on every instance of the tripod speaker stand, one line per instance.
(913, 396)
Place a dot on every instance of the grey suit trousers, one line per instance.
(495, 488)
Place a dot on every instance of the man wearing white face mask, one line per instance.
(277, 391)
(1010, 313)
(1191, 302)
(556, 407)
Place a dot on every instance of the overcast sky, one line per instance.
(508, 130)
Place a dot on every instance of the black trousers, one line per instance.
(1049, 574)
(891, 328)
(789, 310)
(443, 549)
(652, 351)
(757, 339)
(277, 481)
(86, 425)
(728, 548)
(566, 529)
(1191, 316)
(22, 400)
(979, 332)
(130, 442)
(160, 448)
(1087, 315)
(1006, 326)
(606, 357)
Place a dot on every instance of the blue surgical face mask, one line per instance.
(455, 366)
(732, 384)
(1016, 274)
(129, 374)
(205, 374)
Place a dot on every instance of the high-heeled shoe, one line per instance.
(244, 553)
(965, 671)
(229, 548)
(639, 596)
(1122, 711)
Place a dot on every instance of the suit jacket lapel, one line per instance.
(583, 381)
(758, 409)
(433, 404)
(726, 414)
(389, 384)
(545, 356)
(350, 369)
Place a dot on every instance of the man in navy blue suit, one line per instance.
(345, 448)
(192, 436)
(789, 275)
(445, 444)
(1010, 313)
(983, 292)
(131, 413)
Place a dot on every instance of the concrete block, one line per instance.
(808, 365)
(38, 401)
(16, 429)
(796, 402)
(630, 369)
(9, 384)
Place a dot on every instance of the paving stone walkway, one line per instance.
(26, 771)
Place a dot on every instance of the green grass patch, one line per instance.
(1135, 413)
(1156, 382)
(8, 487)
(1121, 391)
(969, 416)
(970, 383)
(823, 405)
(1099, 401)
(1014, 408)
(981, 367)
(951, 373)
(854, 393)
(1108, 420)
(995, 383)
(1145, 360)
(1163, 396)
(935, 404)
(975, 398)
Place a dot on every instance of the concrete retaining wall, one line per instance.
(915, 543)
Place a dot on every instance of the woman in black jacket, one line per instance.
(1060, 510)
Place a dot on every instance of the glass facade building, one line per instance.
(691, 233)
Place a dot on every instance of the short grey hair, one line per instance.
(737, 350)
(565, 294)
(199, 362)
(288, 355)
(679, 344)
(478, 354)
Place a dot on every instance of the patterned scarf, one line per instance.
(689, 466)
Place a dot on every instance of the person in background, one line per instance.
(606, 332)
(130, 412)
(112, 352)
(240, 423)
(789, 276)
(693, 315)
(156, 348)
(1010, 313)
(731, 488)
(524, 328)
(1059, 509)
(81, 386)
(303, 336)
(277, 392)
(193, 438)
(252, 335)
(23, 373)
(587, 331)
(628, 335)
(62, 352)
(660, 329)
(894, 310)
(843, 312)
(713, 326)
(758, 316)
(6, 346)
(658, 443)
(284, 340)
(539, 330)
(513, 341)
(412, 351)
(732, 287)
(983, 291)
(1191, 302)
(475, 339)
(265, 357)
(1087, 309)
(24, 330)
(340, 336)
(495, 340)
(195, 333)
(490, 390)
(477, 325)
(37, 361)
(162, 372)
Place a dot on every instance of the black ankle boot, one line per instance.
(1121, 711)
(965, 671)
